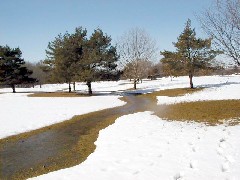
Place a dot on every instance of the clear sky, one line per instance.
(31, 24)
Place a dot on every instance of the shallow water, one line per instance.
(46, 148)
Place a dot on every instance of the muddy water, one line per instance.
(49, 147)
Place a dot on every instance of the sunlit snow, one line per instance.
(138, 146)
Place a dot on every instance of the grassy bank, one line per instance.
(208, 112)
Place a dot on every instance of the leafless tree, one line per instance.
(38, 72)
(222, 22)
(144, 68)
(135, 46)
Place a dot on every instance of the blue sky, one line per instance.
(31, 24)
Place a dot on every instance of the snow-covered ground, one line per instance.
(227, 88)
(141, 145)
(20, 113)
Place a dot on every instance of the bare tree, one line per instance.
(222, 23)
(38, 72)
(134, 47)
(144, 68)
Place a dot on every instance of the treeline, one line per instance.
(80, 56)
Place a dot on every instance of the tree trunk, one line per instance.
(69, 87)
(89, 87)
(40, 85)
(13, 88)
(191, 81)
(74, 86)
(135, 84)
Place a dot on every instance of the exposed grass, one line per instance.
(82, 134)
(172, 92)
(57, 94)
(208, 112)
(176, 92)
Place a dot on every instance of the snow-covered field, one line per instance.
(141, 145)
(223, 90)
(20, 113)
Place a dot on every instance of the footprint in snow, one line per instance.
(225, 167)
(103, 169)
(229, 159)
(193, 164)
(222, 140)
(151, 164)
(222, 145)
(136, 172)
(220, 151)
(160, 156)
(178, 176)
(194, 149)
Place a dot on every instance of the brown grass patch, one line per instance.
(175, 92)
(172, 92)
(209, 112)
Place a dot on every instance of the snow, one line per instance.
(20, 113)
(138, 146)
(226, 88)
(142, 146)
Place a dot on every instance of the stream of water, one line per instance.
(44, 147)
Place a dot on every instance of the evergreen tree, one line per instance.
(75, 57)
(12, 70)
(64, 54)
(191, 53)
(99, 59)
(171, 67)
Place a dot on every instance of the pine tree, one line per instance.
(12, 70)
(75, 57)
(64, 54)
(191, 53)
(99, 58)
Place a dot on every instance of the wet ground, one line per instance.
(57, 146)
